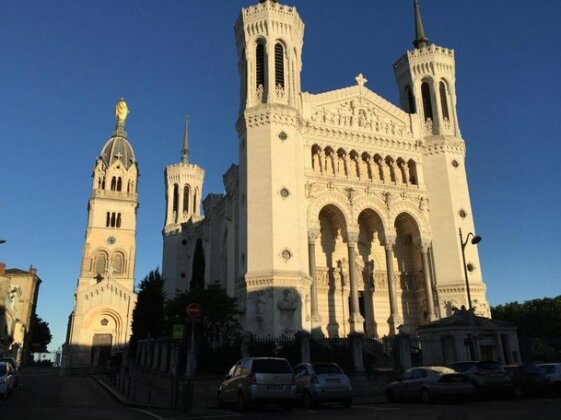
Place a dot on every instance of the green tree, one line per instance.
(40, 334)
(148, 319)
(537, 318)
(219, 320)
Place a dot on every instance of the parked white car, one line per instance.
(7, 378)
(553, 373)
(319, 382)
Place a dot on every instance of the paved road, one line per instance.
(46, 396)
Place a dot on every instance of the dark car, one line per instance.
(528, 380)
(488, 377)
(15, 369)
(256, 381)
(428, 383)
(319, 382)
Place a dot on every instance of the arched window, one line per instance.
(195, 203)
(410, 100)
(118, 220)
(113, 184)
(412, 172)
(119, 184)
(175, 199)
(100, 264)
(113, 221)
(260, 65)
(279, 65)
(186, 191)
(444, 101)
(103, 183)
(117, 263)
(108, 219)
(427, 102)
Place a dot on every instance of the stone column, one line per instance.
(356, 320)
(438, 117)
(428, 285)
(303, 337)
(316, 317)
(355, 340)
(395, 318)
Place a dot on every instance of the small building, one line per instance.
(467, 336)
(19, 290)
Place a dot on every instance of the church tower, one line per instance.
(105, 297)
(426, 80)
(273, 247)
(184, 188)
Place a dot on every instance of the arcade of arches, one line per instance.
(368, 277)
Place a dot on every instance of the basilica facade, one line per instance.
(345, 212)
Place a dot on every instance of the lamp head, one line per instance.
(476, 239)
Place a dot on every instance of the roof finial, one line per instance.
(421, 41)
(185, 148)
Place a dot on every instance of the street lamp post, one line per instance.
(475, 239)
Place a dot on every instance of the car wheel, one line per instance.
(390, 396)
(307, 400)
(557, 389)
(220, 401)
(286, 406)
(242, 403)
(425, 396)
(347, 403)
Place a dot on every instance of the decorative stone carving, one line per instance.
(288, 300)
(360, 113)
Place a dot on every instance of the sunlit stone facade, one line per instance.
(104, 298)
(343, 214)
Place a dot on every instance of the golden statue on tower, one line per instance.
(121, 111)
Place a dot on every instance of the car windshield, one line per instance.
(489, 366)
(271, 366)
(462, 366)
(327, 368)
(547, 369)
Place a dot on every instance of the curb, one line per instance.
(119, 398)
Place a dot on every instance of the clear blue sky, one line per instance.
(64, 64)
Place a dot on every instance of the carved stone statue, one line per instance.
(288, 301)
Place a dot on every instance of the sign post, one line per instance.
(193, 312)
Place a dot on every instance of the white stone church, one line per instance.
(345, 211)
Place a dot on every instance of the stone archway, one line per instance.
(331, 259)
(371, 271)
(409, 271)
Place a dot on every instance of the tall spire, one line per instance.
(185, 148)
(421, 41)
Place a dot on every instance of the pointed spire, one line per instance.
(185, 148)
(421, 41)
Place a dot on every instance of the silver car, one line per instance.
(256, 381)
(319, 382)
(428, 383)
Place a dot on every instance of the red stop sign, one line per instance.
(194, 310)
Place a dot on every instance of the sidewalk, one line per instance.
(152, 395)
